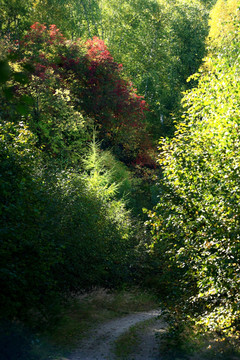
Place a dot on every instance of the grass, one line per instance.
(85, 311)
(128, 342)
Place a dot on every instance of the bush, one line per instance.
(195, 225)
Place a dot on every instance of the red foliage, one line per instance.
(54, 33)
(38, 28)
(97, 50)
(102, 92)
(40, 70)
(144, 159)
(106, 85)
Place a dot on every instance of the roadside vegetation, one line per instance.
(130, 343)
(195, 225)
(87, 89)
(73, 322)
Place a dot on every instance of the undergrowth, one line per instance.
(84, 311)
(62, 333)
(187, 342)
(129, 341)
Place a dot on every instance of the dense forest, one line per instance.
(120, 157)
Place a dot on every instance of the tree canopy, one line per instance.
(87, 89)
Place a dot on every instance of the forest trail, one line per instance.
(100, 342)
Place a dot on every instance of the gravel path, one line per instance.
(99, 342)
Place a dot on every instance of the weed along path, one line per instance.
(134, 334)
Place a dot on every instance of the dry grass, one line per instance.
(128, 342)
(85, 311)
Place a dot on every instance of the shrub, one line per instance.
(195, 225)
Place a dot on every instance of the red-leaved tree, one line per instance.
(96, 86)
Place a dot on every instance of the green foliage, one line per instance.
(61, 231)
(195, 225)
(222, 18)
(119, 174)
(27, 251)
(159, 43)
(14, 17)
(163, 44)
(64, 227)
(64, 222)
(63, 87)
(95, 227)
(98, 174)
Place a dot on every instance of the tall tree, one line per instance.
(196, 223)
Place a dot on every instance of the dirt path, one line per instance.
(148, 348)
(98, 345)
